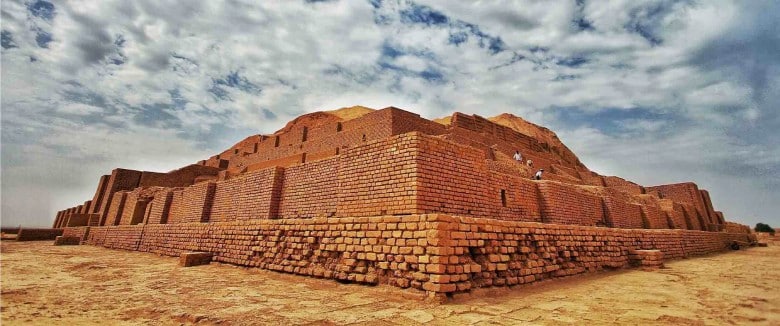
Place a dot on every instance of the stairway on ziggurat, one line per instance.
(387, 197)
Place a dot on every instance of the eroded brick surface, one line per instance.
(360, 200)
(434, 253)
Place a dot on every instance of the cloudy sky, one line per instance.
(653, 91)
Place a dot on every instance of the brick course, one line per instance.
(310, 190)
(434, 253)
(393, 198)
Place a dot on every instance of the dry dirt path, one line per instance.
(86, 285)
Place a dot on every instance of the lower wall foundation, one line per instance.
(34, 234)
(438, 254)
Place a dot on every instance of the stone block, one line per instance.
(188, 259)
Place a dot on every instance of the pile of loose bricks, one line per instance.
(392, 198)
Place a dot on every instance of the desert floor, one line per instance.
(83, 285)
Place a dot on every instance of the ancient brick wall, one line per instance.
(732, 227)
(177, 178)
(498, 253)
(564, 204)
(249, 145)
(60, 219)
(126, 237)
(565, 172)
(310, 190)
(462, 133)
(563, 178)
(160, 207)
(378, 177)
(320, 139)
(487, 133)
(226, 200)
(592, 178)
(685, 193)
(692, 217)
(120, 179)
(320, 166)
(10, 230)
(67, 217)
(434, 253)
(321, 155)
(77, 232)
(131, 208)
(196, 202)
(254, 195)
(621, 214)
(97, 235)
(623, 185)
(674, 213)
(216, 162)
(709, 210)
(446, 175)
(375, 125)
(115, 209)
(390, 250)
(34, 234)
(64, 220)
(404, 121)
(100, 193)
(720, 217)
(57, 219)
(653, 213)
(316, 133)
(364, 180)
(77, 219)
(514, 198)
(175, 214)
(85, 208)
(281, 162)
(510, 168)
(466, 137)
(654, 217)
(260, 194)
(481, 125)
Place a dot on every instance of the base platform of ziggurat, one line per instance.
(387, 197)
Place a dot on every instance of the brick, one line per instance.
(444, 207)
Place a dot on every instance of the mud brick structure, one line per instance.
(67, 241)
(35, 234)
(387, 197)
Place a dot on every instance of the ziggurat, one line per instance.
(387, 197)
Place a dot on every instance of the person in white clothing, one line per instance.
(538, 175)
(518, 157)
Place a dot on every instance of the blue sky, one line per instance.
(653, 91)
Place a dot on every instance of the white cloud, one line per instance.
(170, 82)
(78, 109)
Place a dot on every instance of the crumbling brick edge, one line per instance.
(439, 254)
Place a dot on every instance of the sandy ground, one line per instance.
(84, 285)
